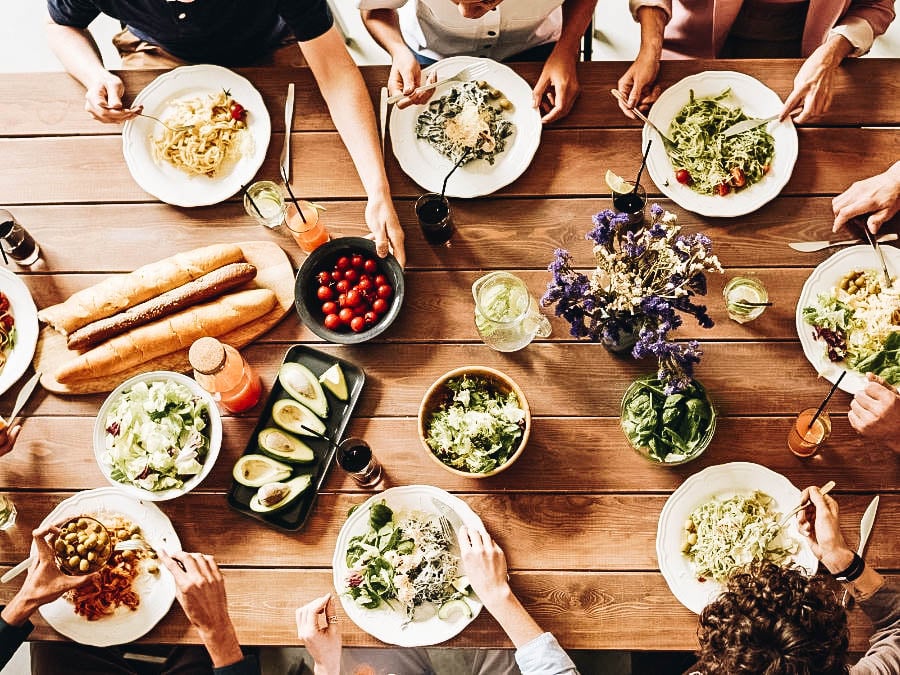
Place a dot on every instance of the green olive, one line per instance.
(84, 565)
(74, 562)
(504, 103)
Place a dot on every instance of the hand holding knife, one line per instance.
(7, 439)
(865, 529)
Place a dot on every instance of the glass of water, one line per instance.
(7, 512)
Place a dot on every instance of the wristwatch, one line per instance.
(853, 571)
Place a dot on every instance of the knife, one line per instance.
(865, 529)
(874, 244)
(382, 116)
(288, 122)
(24, 394)
(810, 246)
(641, 116)
(747, 125)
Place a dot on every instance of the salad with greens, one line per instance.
(859, 322)
(723, 535)
(667, 427)
(404, 562)
(477, 428)
(707, 161)
(155, 436)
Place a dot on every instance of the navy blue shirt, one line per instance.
(224, 32)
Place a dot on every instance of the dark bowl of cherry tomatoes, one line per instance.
(345, 293)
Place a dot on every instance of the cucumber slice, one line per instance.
(462, 585)
(451, 607)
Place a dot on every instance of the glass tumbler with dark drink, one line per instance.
(355, 457)
(433, 212)
(16, 242)
(631, 202)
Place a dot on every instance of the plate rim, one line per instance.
(24, 312)
(176, 196)
(454, 190)
(704, 205)
(339, 567)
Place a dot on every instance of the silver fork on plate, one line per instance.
(444, 520)
(466, 74)
(133, 545)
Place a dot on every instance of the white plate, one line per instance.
(385, 623)
(214, 430)
(823, 279)
(163, 180)
(428, 167)
(756, 100)
(723, 480)
(157, 591)
(26, 324)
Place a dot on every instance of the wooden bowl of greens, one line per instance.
(667, 429)
(474, 421)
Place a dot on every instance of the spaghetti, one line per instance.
(202, 133)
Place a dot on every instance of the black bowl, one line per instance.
(323, 258)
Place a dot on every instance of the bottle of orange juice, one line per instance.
(223, 372)
(308, 231)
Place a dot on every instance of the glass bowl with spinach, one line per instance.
(667, 428)
(474, 421)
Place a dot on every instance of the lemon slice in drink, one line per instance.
(617, 183)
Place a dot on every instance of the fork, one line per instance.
(641, 116)
(156, 119)
(825, 489)
(133, 545)
(464, 75)
(443, 521)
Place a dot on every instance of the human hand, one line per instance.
(556, 88)
(813, 86)
(406, 75)
(819, 524)
(320, 634)
(200, 589)
(385, 227)
(875, 411)
(638, 86)
(485, 565)
(103, 99)
(878, 196)
(8, 438)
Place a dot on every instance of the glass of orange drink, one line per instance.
(308, 231)
(804, 438)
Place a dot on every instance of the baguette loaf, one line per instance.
(205, 288)
(171, 334)
(120, 292)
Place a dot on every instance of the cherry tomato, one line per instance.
(380, 280)
(353, 297)
(329, 308)
(324, 293)
(351, 275)
(723, 189)
(7, 322)
(371, 318)
(345, 315)
(683, 176)
(337, 275)
(342, 300)
(324, 278)
(342, 286)
(360, 310)
(370, 266)
(379, 306)
(357, 261)
(385, 291)
(332, 321)
(738, 179)
(237, 111)
(364, 284)
(343, 263)
(357, 324)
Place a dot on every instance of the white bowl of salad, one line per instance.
(157, 435)
(474, 421)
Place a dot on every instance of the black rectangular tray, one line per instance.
(294, 516)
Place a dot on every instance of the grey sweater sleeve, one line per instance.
(883, 657)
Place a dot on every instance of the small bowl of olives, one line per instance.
(83, 545)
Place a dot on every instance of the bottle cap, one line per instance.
(207, 355)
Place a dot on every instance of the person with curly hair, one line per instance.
(776, 621)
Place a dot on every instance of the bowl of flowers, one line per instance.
(645, 275)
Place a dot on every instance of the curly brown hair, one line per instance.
(773, 621)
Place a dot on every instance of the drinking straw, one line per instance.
(825, 402)
(455, 167)
(747, 303)
(5, 259)
(252, 203)
(314, 432)
(294, 199)
(637, 181)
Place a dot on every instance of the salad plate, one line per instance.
(428, 167)
(823, 279)
(385, 623)
(164, 181)
(157, 591)
(723, 480)
(139, 436)
(756, 100)
(24, 314)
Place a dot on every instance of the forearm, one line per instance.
(18, 611)
(576, 15)
(653, 25)
(77, 51)
(384, 27)
(864, 585)
(222, 645)
(834, 50)
(513, 618)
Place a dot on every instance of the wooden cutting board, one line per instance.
(273, 271)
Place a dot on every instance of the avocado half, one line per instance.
(294, 416)
(299, 382)
(255, 470)
(280, 445)
(295, 487)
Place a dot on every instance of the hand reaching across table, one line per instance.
(8, 438)
(878, 196)
(875, 412)
(320, 632)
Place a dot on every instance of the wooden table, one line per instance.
(577, 514)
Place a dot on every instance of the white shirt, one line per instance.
(436, 29)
